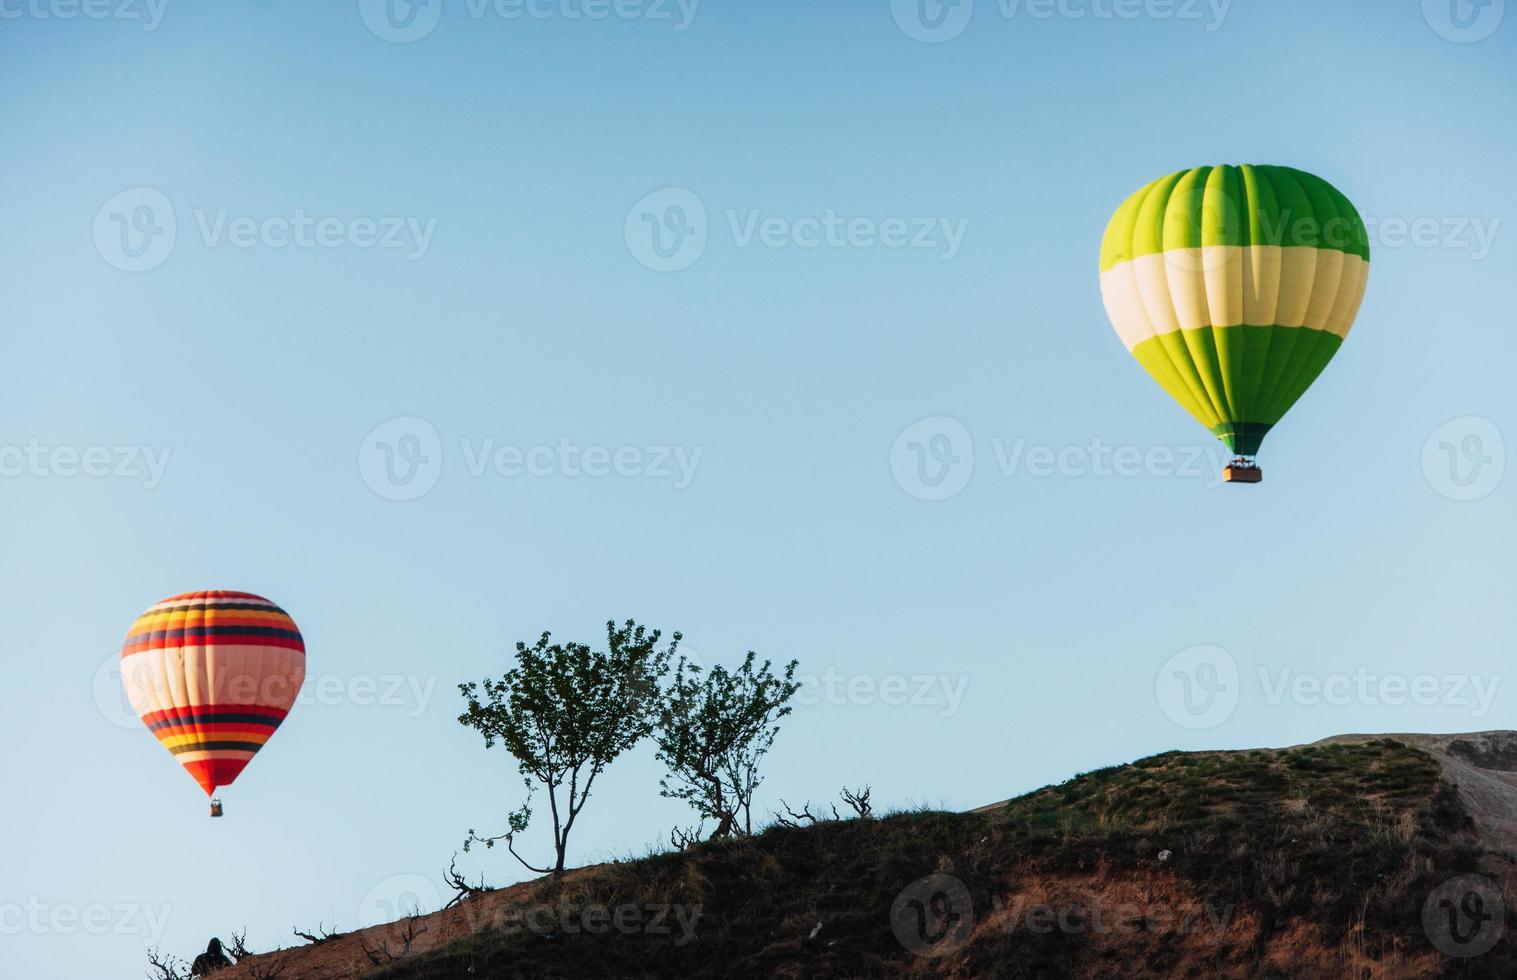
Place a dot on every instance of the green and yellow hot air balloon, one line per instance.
(1233, 287)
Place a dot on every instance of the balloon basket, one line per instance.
(216, 808)
(1242, 470)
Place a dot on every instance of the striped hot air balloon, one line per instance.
(213, 674)
(1233, 287)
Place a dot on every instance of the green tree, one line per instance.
(565, 712)
(714, 731)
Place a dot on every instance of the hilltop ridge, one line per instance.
(1313, 860)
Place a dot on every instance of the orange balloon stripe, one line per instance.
(225, 611)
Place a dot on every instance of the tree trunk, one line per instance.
(724, 828)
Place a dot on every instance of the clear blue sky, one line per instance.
(529, 316)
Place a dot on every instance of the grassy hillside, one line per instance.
(1313, 861)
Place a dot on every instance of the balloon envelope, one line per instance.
(1234, 287)
(213, 674)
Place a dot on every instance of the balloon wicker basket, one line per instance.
(216, 808)
(1242, 470)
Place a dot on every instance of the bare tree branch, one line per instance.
(321, 935)
(272, 967)
(237, 949)
(858, 801)
(167, 967)
(463, 891)
(409, 932)
(791, 818)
